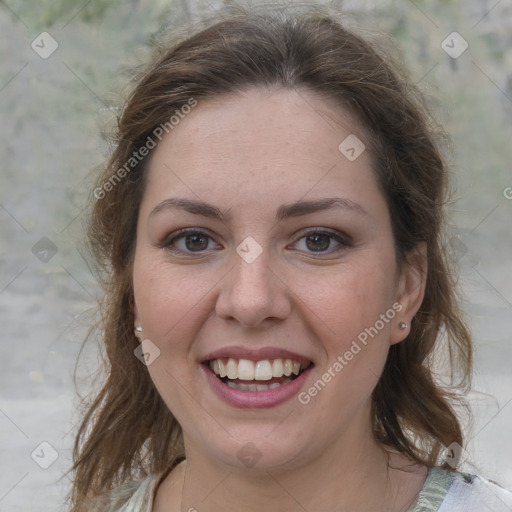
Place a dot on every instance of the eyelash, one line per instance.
(343, 240)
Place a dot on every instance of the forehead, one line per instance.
(262, 143)
(300, 118)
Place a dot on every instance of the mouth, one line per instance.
(256, 376)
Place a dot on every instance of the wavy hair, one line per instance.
(127, 431)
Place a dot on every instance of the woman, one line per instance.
(270, 227)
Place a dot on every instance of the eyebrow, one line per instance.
(286, 211)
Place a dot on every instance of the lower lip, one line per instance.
(256, 399)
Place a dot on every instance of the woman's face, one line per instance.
(287, 264)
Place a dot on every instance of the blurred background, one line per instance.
(65, 66)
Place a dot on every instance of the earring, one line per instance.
(138, 331)
(402, 325)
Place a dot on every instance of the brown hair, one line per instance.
(127, 431)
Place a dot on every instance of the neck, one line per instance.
(359, 476)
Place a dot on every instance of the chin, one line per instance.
(256, 450)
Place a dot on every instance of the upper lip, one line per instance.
(255, 354)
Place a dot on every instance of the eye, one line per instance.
(322, 241)
(196, 241)
(187, 241)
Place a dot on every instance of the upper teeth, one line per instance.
(245, 369)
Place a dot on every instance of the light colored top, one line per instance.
(443, 491)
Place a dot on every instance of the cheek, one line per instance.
(167, 301)
(347, 301)
(345, 312)
(170, 305)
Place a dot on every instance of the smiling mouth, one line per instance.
(247, 375)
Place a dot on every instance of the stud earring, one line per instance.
(402, 325)
(138, 331)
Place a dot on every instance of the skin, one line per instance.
(249, 154)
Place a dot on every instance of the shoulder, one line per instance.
(469, 493)
(452, 491)
(136, 496)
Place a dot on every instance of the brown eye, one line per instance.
(187, 241)
(196, 242)
(318, 242)
(323, 242)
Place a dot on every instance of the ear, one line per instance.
(410, 291)
(137, 321)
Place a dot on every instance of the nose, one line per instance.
(253, 293)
